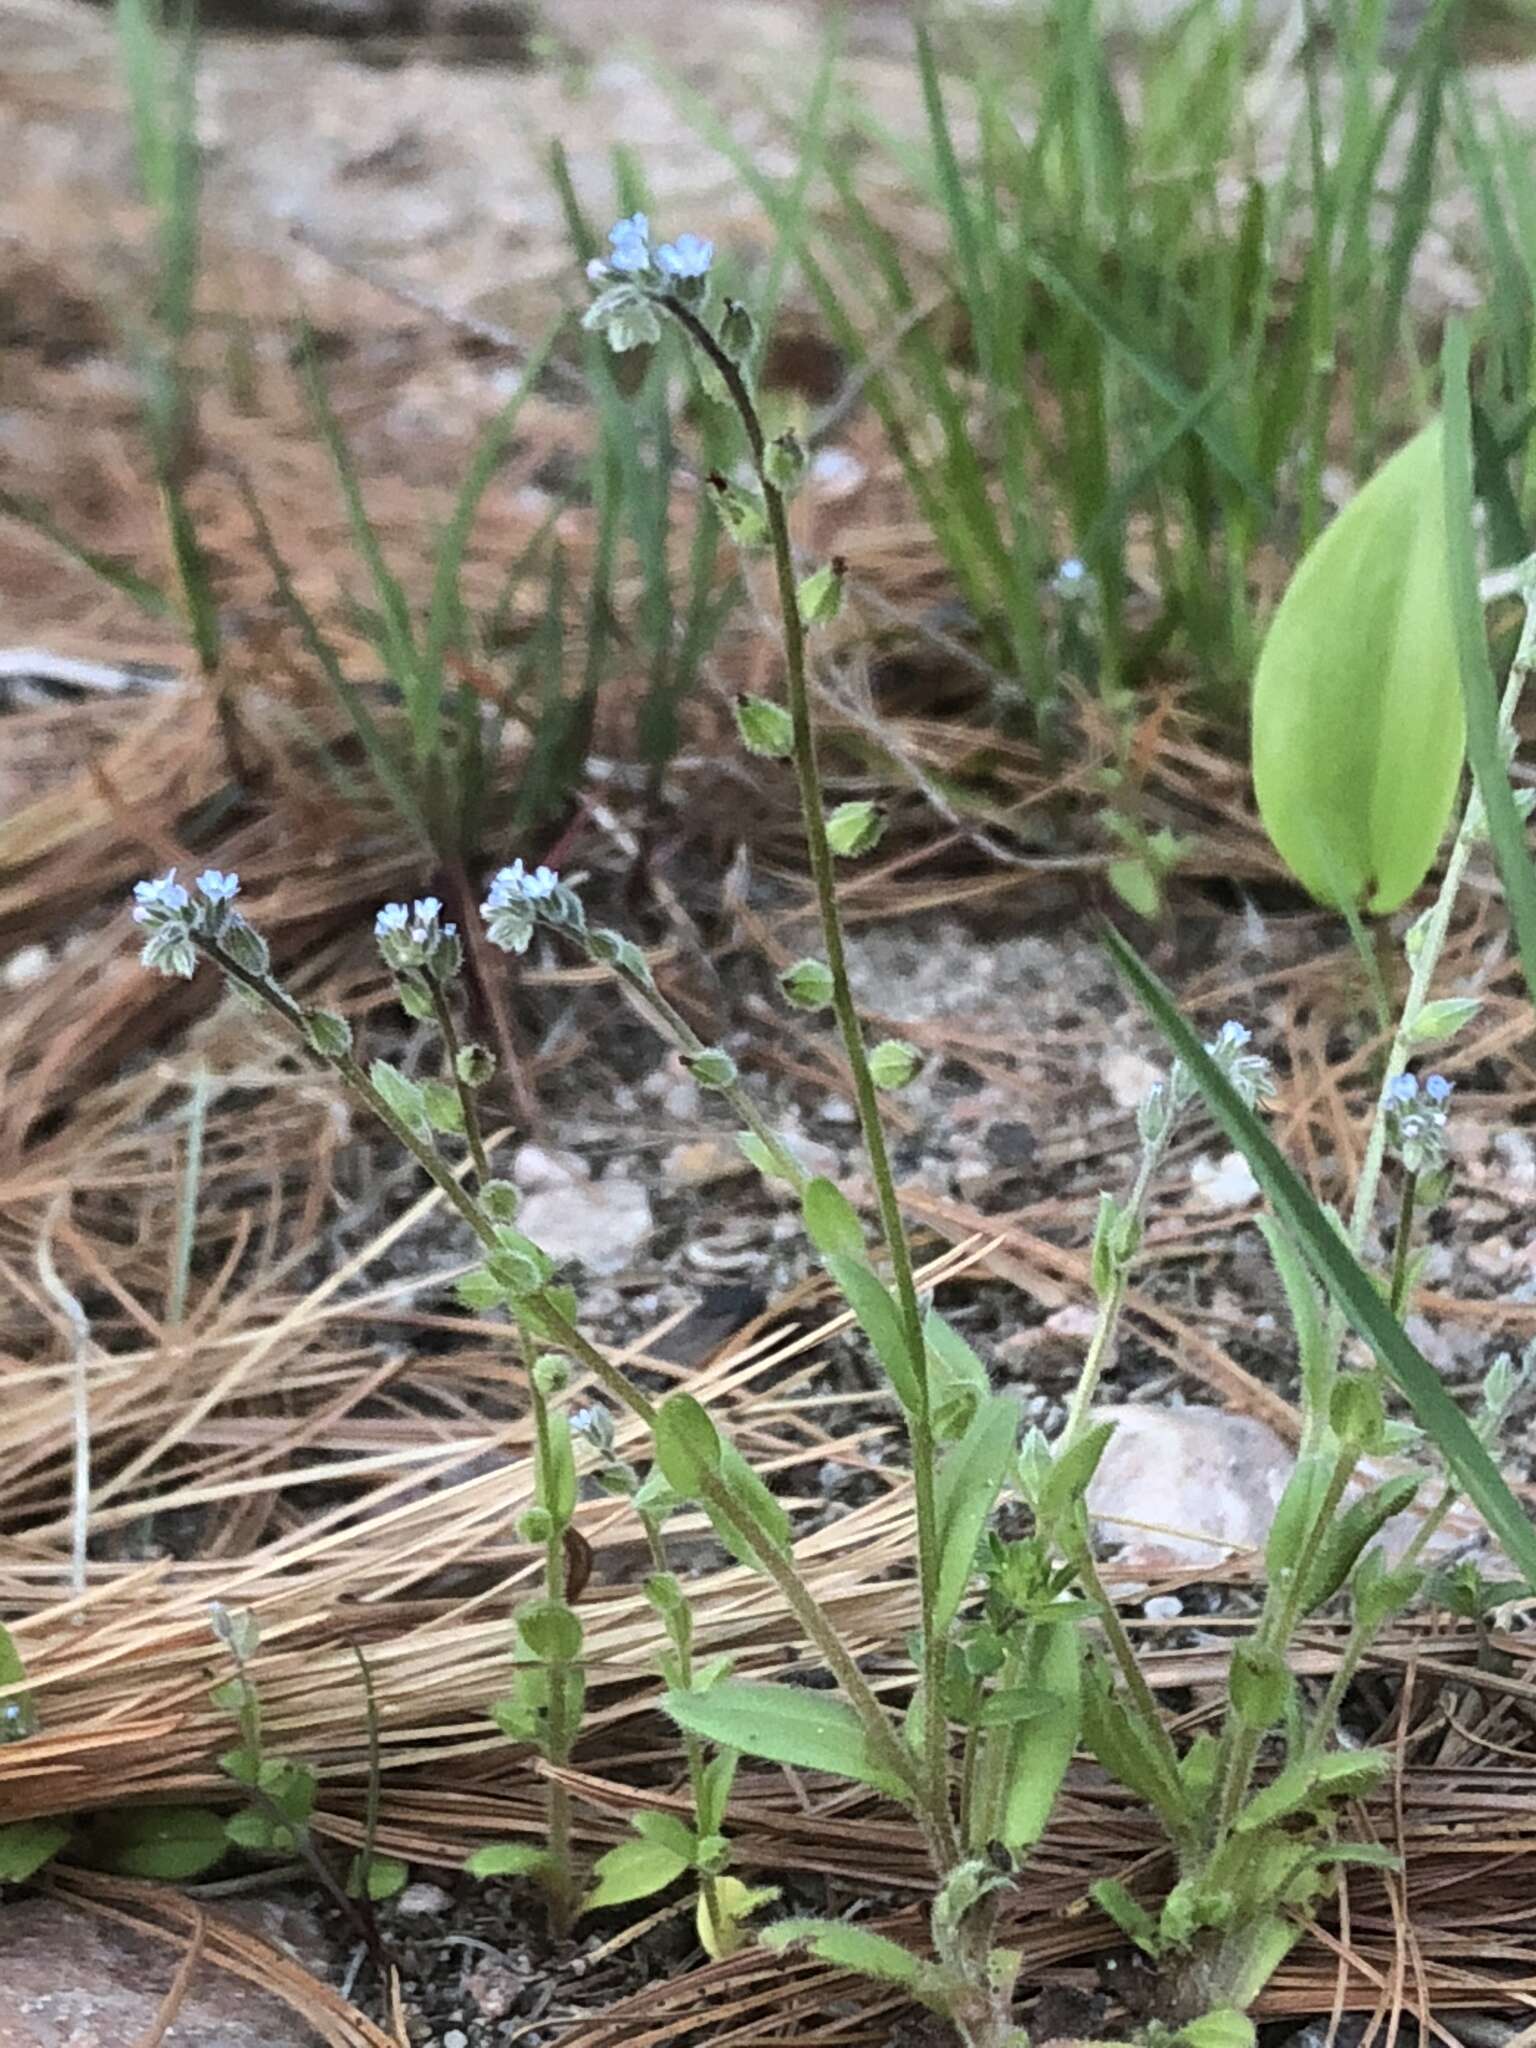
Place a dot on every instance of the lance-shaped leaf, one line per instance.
(787, 1724)
(1357, 710)
(1354, 1290)
(965, 1494)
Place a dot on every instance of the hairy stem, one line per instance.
(893, 1231)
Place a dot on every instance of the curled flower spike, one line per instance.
(689, 256)
(417, 937)
(169, 916)
(1250, 1073)
(1417, 1119)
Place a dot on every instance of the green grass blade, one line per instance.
(1479, 693)
(149, 597)
(1351, 1287)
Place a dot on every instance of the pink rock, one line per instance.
(1186, 1486)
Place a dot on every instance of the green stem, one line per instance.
(1101, 1344)
(1397, 1294)
(561, 1890)
(824, 881)
(693, 1747)
(469, 1107)
(670, 1024)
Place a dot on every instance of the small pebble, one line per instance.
(423, 1899)
(455, 2038)
(1163, 1607)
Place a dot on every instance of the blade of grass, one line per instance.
(1347, 1281)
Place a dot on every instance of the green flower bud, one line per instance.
(808, 984)
(785, 462)
(765, 728)
(820, 596)
(737, 334)
(475, 1065)
(328, 1034)
(893, 1063)
(712, 1068)
(536, 1526)
(500, 1200)
(745, 519)
(551, 1374)
(1356, 1410)
(855, 828)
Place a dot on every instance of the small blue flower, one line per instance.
(164, 897)
(1438, 1089)
(1416, 1121)
(1250, 1073)
(517, 884)
(215, 887)
(1404, 1089)
(394, 917)
(629, 245)
(689, 256)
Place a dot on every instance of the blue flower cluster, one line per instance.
(520, 898)
(418, 937)
(175, 917)
(1416, 1120)
(633, 278)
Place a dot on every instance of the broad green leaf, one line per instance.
(880, 1320)
(634, 1870)
(26, 1845)
(1357, 712)
(386, 1875)
(688, 1447)
(831, 1221)
(1505, 827)
(952, 1364)
(508, 1859)
(1351, 1286)
(849, 1948)
(1338, 1774)
(669, 1832)
(168, 1842)
(1042, 1747)
(786, 1724)
(965, 1494)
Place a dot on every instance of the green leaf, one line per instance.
(669, 1832)
(1072, 1471)
(386, 1875)
(1357, 715)
(400, 1095)
(1042, 1747)
(848, 1948)
(26, 1845)
(251, 1830)
(634, 1870)
(831, 1221)
(1128, 1914)
(1444, 1019)
(1484, 745)
(551, 1630)
(965, 1493)
(508, 1859)
(786, 1724)
(715, 1791)
(1224, 2028)
(1306, 1315)
(1338, 1774)
(1347, 1281)
(1013, 1703)
(762, 1512)
(557, 1474)
(688, 1446)
(952, 1364)
(1361, 1523)
(879, 1318)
